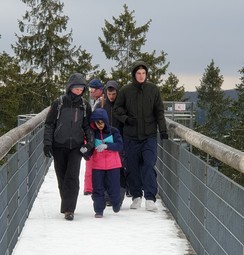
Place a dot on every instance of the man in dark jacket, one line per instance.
(111, 91)
(67, 127)
(140, 108)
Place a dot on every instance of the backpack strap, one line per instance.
(84, 107)
(60, 104)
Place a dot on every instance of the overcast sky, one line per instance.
(191, 32)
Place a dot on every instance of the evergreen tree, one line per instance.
(236, 137)
(211, 100)
(17, 92)
(46, 51)
(170, 91)
(123, 42)
(218, 123)
(9, 96)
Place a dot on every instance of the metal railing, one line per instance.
(207, 205)
(21, 176)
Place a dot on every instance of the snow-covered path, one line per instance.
(130, 232)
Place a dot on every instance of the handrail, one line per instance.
(8, 140)
(220, 151)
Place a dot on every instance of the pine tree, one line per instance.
(123, 40)
(170, 91)
(218, 119)
(46, 52)
(9, 96)
(211, 100)
(122, 44)
(236, 137)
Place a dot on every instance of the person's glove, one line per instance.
(164, 135)
(101, 147)
(86, 151)
(83, 149)
(131, 121)
(48, 151)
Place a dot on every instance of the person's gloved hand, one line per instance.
(101, 147)
(83, 149)
(48, 151)
(164, 135)
(86, 151)
(131, 121)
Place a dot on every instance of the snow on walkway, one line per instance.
(130, 232)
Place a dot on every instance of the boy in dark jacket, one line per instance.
(106, 163)
(67, 127)
(111, 91)
(140, 108)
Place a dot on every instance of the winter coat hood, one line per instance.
(100, 114)
(76, 80)
(112, 84)
(135, 66)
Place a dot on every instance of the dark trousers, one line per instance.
(140, 159)
(122, 187)
(67, 168)
(108, 180)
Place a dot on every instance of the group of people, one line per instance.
(117, 136)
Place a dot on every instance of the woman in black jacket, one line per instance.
(67, 129)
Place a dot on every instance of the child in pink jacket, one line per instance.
(106, 162)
